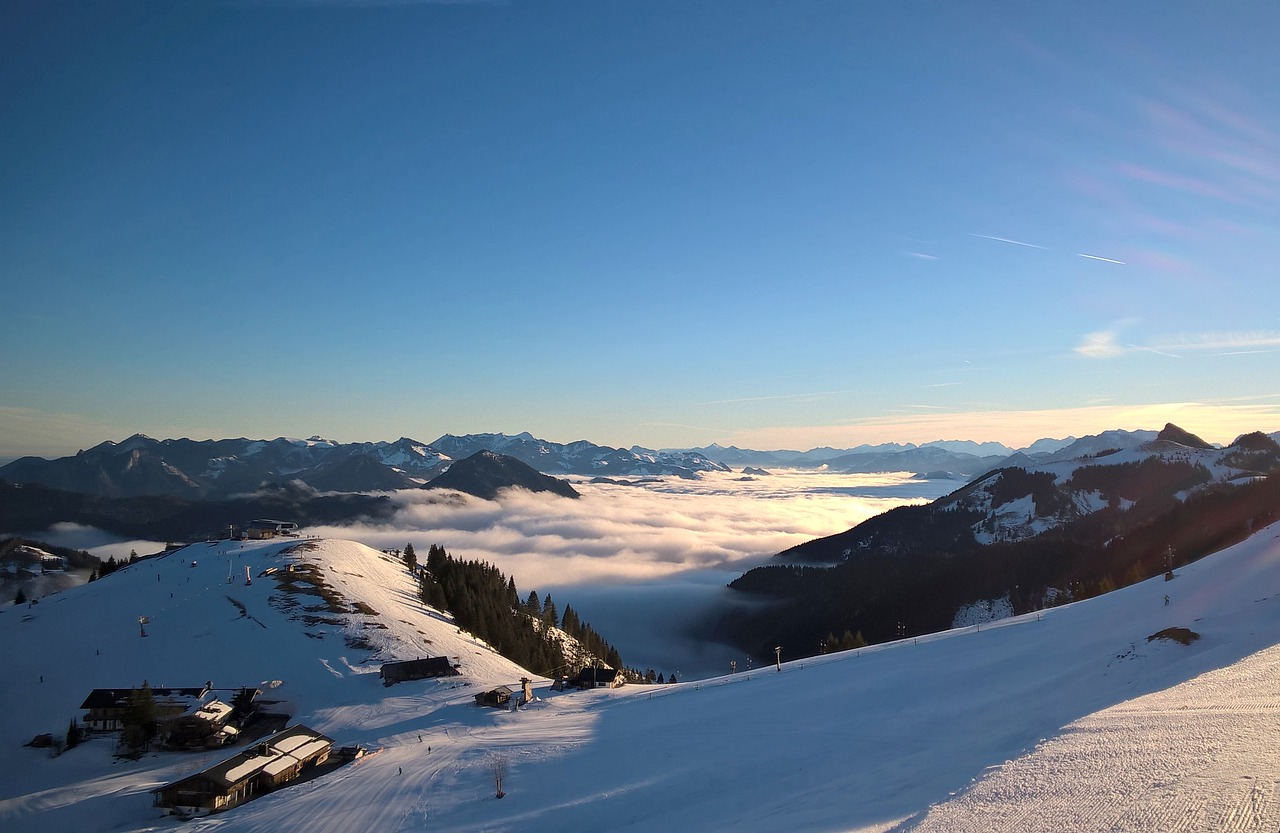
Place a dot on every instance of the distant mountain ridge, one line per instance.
(217, 469)
(958, 457)
(580, 457)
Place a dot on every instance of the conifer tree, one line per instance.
(140, 720)
(410, 558)
(569, 621)
(435, 559)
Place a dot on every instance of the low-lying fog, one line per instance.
(641, 563)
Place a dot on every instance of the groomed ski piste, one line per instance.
(1069, 719)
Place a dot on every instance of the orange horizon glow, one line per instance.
(1016, 429)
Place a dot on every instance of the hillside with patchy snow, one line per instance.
(1034, 535)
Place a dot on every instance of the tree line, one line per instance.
(486, 602)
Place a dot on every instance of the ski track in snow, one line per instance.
(1184, 759)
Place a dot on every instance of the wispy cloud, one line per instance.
(1008, 240)
(1219, 342)
(1101, 345)
(1105, 344)
(1176, 181)
(1099, 257)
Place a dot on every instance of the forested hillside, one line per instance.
(907, 572)
(487, 603)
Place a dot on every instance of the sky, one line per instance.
(667, 224)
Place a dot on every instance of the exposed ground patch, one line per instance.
(304, 595)
(1184, 636)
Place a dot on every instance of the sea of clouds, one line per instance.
(644, 564)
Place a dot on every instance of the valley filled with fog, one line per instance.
(642, 563)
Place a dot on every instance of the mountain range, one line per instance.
(219, 469)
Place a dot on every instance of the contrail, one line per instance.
(1007, 240)
(1103, 259)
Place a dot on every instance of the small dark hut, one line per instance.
(417, 669)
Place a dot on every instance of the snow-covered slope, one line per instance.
(862, 740)
(1025, 498)
(319, 656)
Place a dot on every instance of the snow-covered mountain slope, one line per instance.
(1021, 501)
(866, 740)
(202, 626)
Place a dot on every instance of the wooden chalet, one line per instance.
(106, 707)
(201, 726)
(268, 764)
(496, 698)
(267, 528)
(598, 678)
(417, 669)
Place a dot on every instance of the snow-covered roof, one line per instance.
(278, 753)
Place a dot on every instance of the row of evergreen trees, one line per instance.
(111, 565)
(486, 603)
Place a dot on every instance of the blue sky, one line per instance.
(773, 224)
